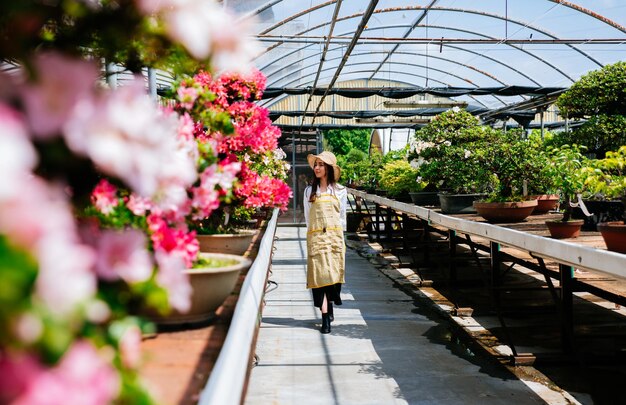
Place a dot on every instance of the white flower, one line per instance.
(128, 137)
(467, 154)
(206, 30)
(447, 143)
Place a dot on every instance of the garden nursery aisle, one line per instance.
(384, 348)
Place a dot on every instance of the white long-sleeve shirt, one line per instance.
(338, 191)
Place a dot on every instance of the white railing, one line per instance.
(228, 377)
(568, 253)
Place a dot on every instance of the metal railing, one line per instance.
(568, 253)
(228, 377)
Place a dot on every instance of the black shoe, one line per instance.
(325, 324)
(331, 313)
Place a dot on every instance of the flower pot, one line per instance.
(602, 211)
(614, 235)
(403, 197)
(508, 211)
(230, 243)
(424, 198)
(545, 203)
(458, 203)
(210, 287)
(564, 230)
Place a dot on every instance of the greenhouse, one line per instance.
(305, 202)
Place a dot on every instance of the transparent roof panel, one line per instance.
(436, 43)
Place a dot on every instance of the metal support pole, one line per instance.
(152, 85)
(496, 261)
(377, 222)
(567, 300)
(452, 242)
(388, 224)
(294, 175)
(542, 126)
(111, 72)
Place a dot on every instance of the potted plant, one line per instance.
(603, 191)
(238, 152)
(399, 179)
(212, 278)
(445, 152)
(565, 168)
(540, 183)
(511, 160)
(607, 178)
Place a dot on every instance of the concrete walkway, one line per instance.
(384, 348)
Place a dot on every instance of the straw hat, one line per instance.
(328, 158)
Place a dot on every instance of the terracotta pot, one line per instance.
(614, 235)
(545, 203)
(210, 288)
(564, 230)
(230, 243)
(509, 211)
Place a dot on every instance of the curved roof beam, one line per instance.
(447, 45)
(371, 7)
(408, 32)
(590, 14)
(489, 75)
(395, 63)
(300, 14)
(323, 58)
(567, 4)
(395, 71)
(457, 10)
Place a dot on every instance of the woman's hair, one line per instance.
(330, 178)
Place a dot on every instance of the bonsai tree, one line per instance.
(606, 178)
(449, 153)
(565, 168)
(598, 97)
(398, 177)
(541, 180)
(511, 160)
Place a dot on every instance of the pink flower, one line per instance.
(187, 96)
(104, 197)
(130, 347)
(17, 155)
(81, 377)
(61, 83)
(17, 372)
(178, 242)
(262, 191)
(138, 205)
(173, 279)
(123, 255)
(65, 276)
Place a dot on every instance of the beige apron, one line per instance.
(325, 246)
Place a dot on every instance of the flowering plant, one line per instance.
(240, 132)
(68, 280)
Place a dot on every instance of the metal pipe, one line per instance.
(152, 86)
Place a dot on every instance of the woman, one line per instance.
(325, 214)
